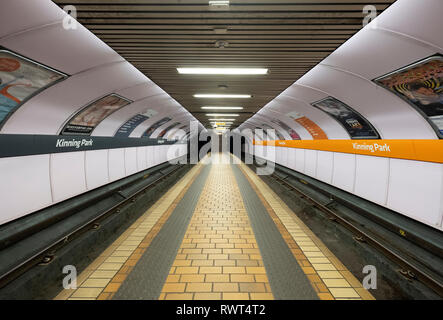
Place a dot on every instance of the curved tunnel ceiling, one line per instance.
(295, 41)
(92, 71)
(288, 37)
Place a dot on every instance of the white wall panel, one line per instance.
(284, 156)
(325, 165)
(116, 162)
(291, 158)
(149, 156)
(130, 161)
(141, 158)
(156, 155)
(279, 155)
(165, 153)
(415, 189)
(300, 160)
(344, 171)
(68, 177)
(372, 178)
(24, 185)
(271, 153)
(311, 163)
(96, 168)
(258, 151)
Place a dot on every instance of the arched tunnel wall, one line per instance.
(404, 172)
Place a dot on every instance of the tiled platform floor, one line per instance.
(219, 257)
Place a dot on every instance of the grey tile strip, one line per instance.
(287, 280)
(147, 278)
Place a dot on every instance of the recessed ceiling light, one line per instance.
(220, 96)
(221, 119)
(219, 4)
(222, 115)
(223, 71)
(222, 108)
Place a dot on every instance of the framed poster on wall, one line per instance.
(21, 79)
(84, 122)
(292, 133)
(420, 84)
(314, 130)
(172, 126)
(356, 126)
(155, 126)
(267, 127)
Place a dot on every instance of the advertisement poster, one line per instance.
(354, 124)
(87, 119)
(162, 134)
(421, 85)
(155, 126)
(20, 78)
(314, 130)
(268, 127)
(294, 135)
(125, 130)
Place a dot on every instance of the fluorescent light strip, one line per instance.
(226, 96)
(222, 115)
(219, 120)
(222, 108)
(218, 2)
(223, 71)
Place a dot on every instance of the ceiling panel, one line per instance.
(287, 36)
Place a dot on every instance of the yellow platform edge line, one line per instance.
(102, 278)
(328, 276)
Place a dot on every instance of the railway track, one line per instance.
(417, 258)
(46, 253)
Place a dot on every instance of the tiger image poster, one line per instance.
(421, 85)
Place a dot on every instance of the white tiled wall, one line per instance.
(32, 183)
(412, 188)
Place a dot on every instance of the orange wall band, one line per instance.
(419, 150)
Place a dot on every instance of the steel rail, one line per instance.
(412, 271)
(46, 254)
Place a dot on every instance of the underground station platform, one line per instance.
(221, 158)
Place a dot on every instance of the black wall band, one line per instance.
(16, 145)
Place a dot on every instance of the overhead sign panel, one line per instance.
(129, 126)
